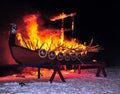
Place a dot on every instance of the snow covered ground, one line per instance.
(84, 83)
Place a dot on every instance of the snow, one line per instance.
(84, 83)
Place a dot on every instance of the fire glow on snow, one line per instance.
(84, 83)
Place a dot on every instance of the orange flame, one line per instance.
(50, 39)
(61, 16)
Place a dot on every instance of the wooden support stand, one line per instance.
(99, 71)
(100, 67)
(38, 72)
(57, 70)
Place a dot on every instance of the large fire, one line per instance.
(34, 36)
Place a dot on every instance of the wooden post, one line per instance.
(79, 69)
(98, 72)
(104, 72)
(53, 75)
(38, 72)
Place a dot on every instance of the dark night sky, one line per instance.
(95, 19)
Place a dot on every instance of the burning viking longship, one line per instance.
(61, 52)
(48, 48)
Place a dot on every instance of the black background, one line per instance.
(95, 19)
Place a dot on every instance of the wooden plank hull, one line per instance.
(25, 56)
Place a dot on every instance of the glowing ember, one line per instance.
(62, 16)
